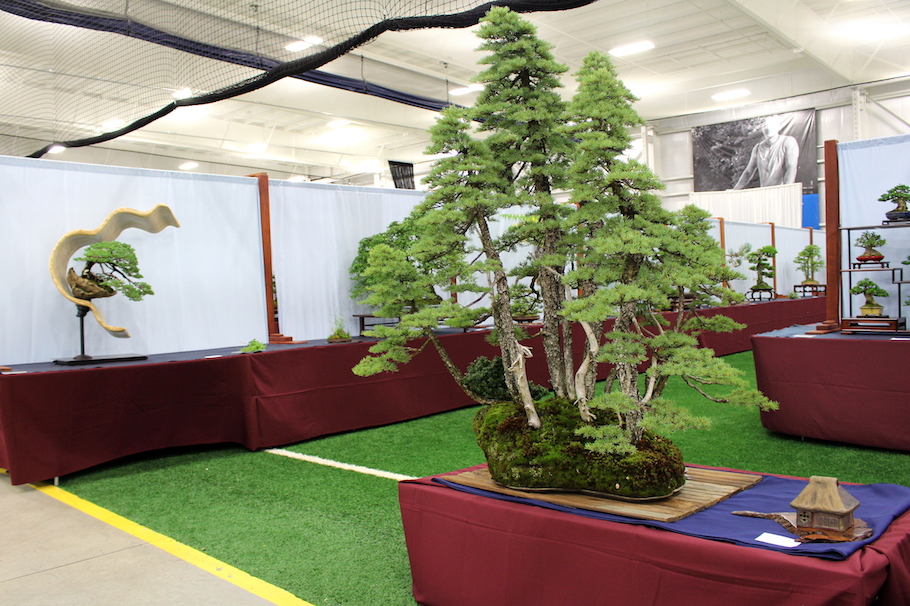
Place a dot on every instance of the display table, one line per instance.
(56, 420)
(853, 389)
(467, 550)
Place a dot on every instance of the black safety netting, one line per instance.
(66, 67)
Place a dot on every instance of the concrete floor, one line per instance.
(54, 555)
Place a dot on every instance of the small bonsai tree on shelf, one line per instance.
(761, 261)
(869, 289)
(899, 195)
(869, 241)
(110, 267)
(809, 260)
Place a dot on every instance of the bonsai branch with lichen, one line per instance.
(110, 267)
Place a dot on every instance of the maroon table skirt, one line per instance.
(468, 550)
(845, 389)
(55, 421)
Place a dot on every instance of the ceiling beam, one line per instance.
(797, 25)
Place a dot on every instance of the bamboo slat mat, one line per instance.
(703, 488)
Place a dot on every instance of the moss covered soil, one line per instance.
(553, 457)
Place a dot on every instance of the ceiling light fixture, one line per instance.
(188, 165)
(299, 45)
(56, 149)
(455, 92)
(298, 179)
(731, 94)
(338, 123)
(113, 124)
(631, 49)
(183, 93)
(257, 148)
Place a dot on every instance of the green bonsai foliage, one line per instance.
(116, 269)
(253, 346)
(761, 261)
(735, 257)
(899, 195)
(869, 289)
(525, 301)
(615, 244)
(487, 378)
(869, 241)
(809, 260)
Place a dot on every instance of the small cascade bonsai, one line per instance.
(869, 289)
(110, 267)
(869, 241)
(614, 252)
(899, 195)
(761, 261)
(809, 260)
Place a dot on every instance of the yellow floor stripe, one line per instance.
(258, 587)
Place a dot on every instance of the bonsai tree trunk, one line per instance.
(513, 353)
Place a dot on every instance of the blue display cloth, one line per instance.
(880, 504)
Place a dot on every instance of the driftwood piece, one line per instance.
(787, 519)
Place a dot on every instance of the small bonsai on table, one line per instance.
(809, 260)
(339, 333)
(762, 266)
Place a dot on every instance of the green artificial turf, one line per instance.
(334, 537)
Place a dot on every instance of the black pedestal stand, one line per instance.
(81, 359)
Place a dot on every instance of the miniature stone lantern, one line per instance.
(824, 506)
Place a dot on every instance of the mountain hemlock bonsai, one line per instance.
(869, 289)
(110, 267)
(869, 241)
(809, 260)
(614, 245)
(761, 261)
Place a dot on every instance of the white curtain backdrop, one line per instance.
(780, 204)
(315, 232)
(207, 274)
(867, 169)
(788, 242)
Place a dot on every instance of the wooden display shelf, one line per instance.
(873, 324)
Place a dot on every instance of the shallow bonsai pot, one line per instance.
(898, 215)
(870, 258)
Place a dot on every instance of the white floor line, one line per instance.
(330, 463)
